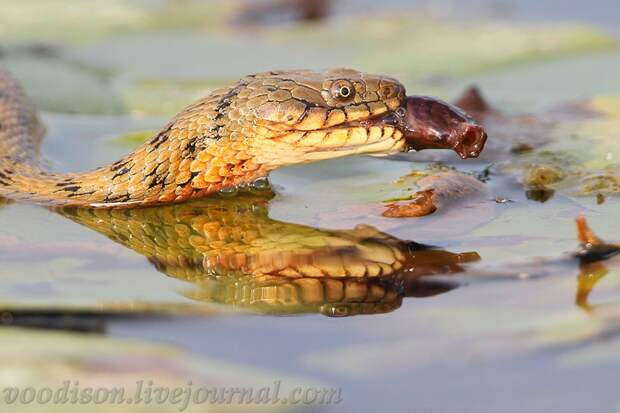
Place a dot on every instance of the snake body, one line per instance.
(226, 140)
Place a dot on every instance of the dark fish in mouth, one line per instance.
(429, 123)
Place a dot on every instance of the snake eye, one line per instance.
(342, 90)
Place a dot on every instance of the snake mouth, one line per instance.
(376, 135)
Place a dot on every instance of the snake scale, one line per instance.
(234, 136)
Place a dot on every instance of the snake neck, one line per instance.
(183, 161)
(196, 154)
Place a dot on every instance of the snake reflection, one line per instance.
(234, 254)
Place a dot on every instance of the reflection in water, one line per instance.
(589, 274)
(591, 266)
(235, 254)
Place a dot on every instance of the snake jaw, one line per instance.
(377, 134)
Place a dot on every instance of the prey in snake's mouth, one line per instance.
(236, 135)
(429, 123)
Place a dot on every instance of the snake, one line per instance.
(232, 138)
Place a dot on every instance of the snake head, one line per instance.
(309, 115)
(430, 123)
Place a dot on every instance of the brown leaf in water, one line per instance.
(592, 247)
(592, 267)
(584, 234)
(437, 192)
(421, 204)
